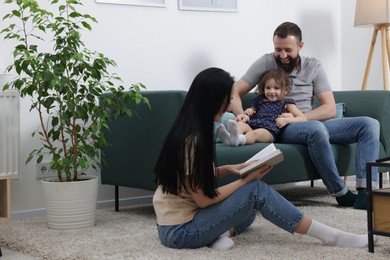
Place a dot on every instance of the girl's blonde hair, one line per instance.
(279, 76)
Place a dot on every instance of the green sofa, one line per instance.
(135, 142)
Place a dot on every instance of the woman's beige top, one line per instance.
(176, 209)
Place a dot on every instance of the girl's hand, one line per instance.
(242, 118)
(249, 112)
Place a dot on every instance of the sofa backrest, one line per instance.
(143, 135)
(135, 143)
(247, 99)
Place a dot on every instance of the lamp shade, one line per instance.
(371, 12)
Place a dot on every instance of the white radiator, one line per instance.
(9, 133)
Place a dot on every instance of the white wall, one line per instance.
(355, 43)
(165, 48)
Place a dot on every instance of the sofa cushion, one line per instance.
(340, 110)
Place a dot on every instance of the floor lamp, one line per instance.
(375, 13)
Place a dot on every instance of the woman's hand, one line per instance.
(226, 190)
(258, 173)
(235, 168)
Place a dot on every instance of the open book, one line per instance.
(268, 156)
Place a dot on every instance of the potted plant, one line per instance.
(65, 86)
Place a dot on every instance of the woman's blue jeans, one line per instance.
(364, 131)
(237, 211)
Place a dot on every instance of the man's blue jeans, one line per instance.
(238, 211)
(318, 135)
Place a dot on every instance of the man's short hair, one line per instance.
(288, 28)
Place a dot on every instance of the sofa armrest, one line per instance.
(373, 103)
(135, 143)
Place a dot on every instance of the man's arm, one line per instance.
(327, 108)
(240, 89)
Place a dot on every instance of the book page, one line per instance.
(268, 156)
(269, 149)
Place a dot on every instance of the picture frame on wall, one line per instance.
(152, 3)
(208, 5)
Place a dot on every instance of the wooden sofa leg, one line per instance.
(116, 198)
(345, 178)
(311, 183)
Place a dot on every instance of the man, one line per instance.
(309, 79)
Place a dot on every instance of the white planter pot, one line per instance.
(71, 205)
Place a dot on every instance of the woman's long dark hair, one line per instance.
(194, 128)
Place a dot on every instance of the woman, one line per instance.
(192, 211)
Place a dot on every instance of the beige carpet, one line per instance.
(131, 234)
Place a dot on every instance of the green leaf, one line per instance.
(40, 158)
(74, 14)
(86, 25)
(29, 158)
(16, 13)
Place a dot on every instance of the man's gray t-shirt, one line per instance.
(310, 80)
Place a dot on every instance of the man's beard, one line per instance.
(289, 67)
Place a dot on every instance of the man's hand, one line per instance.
(281, 122)
(240, 89)
(286, 115)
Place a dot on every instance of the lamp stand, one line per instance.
(384, 28)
